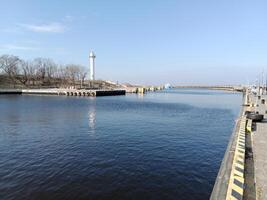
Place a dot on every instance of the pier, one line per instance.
(143, 89)
(259, 144)
(233, 88)
(243, 171)
(104, 88)
(67, 92)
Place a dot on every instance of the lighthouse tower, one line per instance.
(92, 66)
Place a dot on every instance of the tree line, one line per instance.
(41, 72)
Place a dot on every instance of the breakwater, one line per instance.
(215, 87)
(143, 89)
(67, 92)
(10, 91)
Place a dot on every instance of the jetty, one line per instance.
(142, 89)
(67, 92)
(243, 171)
(231, 88)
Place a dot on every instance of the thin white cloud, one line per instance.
(49, 28)
(16, 47)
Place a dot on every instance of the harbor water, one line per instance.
(162, 145)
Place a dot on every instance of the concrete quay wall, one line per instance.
(67, 92)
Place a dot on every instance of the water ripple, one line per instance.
(155, 147)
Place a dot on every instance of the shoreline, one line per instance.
(220, 187)
(223, 88)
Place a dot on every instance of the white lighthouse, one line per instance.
(92, 66)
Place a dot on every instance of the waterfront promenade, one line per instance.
(259, 147)
(253, 176)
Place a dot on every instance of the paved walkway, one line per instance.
(259, 137)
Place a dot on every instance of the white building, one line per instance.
(92, 66)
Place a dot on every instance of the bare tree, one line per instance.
(82, 75)
(25, 68)
(44, 68)
(10, 65)
(73, 72)
(51, 69)
(41, 71)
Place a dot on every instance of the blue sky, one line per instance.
(143, 41)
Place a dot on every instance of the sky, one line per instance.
(182, 42)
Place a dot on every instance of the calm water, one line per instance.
(164, 145)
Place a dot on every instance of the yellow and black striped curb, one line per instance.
(235, 189)
(249, 125)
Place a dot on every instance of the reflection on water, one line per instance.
(92, 118)
(140, 95)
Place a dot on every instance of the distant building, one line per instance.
(167, 86)
(92, 66)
